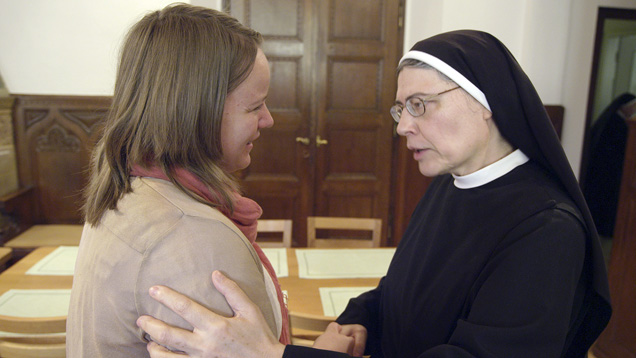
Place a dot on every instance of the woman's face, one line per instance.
(244, 114)
(455, 135)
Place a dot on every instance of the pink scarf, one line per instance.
(246, 212)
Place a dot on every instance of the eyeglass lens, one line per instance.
(415, 106)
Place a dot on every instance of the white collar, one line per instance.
(495, 170)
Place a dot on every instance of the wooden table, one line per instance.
(16, 277)
(303, 294)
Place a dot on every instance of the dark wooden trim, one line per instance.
(556, 113)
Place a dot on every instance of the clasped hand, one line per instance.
(244, 335)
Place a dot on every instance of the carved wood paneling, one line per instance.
(57, 139)
(54, 138)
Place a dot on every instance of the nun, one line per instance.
(500, 258)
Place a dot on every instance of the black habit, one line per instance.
(512, 268)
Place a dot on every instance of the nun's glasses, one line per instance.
(415, 105)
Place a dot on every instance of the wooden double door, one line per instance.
(333, 81)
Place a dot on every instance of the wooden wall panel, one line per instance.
(54, 139)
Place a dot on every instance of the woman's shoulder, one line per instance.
(167, 195)
(156, 210)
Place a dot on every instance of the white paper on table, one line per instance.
(335, 299)
(278, 259)
(60, 262)
(343, 263)
(34, 303)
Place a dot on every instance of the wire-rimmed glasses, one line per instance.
(416, 106)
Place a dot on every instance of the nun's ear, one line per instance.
(486, 114)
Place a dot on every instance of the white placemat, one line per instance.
(335, 299)
(278, 258)
(59, 262)
(34, 303)
(343, 263)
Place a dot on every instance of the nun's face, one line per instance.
(455, 135)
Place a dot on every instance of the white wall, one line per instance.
(522, 25)
(67, 47)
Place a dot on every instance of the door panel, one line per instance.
(332, 76)
(280, 174)
(356, 73)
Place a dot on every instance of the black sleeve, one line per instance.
(365, 310)
(292, 351)
(522, 304)
(360, 310)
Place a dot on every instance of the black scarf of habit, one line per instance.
(521, 118)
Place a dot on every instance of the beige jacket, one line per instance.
(157, 235)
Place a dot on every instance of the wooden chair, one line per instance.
(5, 255)
(44, 235)
(47, 235)
(305, 328)
(282, 226)
(315, 223)
(31, 343)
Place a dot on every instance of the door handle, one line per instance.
(302, 140)
(320, 141)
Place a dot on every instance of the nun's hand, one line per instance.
(243, 336)
(359, 334)
(334, 340)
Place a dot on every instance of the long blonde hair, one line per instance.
(177, 67)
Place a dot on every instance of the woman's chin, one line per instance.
(236, 167)
(429, 171)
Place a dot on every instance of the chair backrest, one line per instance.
(283, 226)
(30, 344)
(315, 223)
(305, 328)
(47, 235)
(5, 255)
(9, 349)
